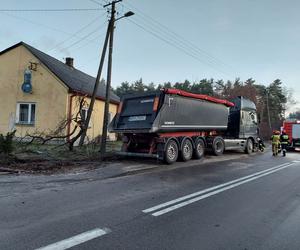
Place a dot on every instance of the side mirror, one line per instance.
(253, 117)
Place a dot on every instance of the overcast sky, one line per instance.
(168, 40)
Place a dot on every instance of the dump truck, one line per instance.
(292, 128)
(172, 124)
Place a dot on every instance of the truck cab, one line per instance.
(292, 128)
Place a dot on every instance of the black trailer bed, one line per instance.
(169, 111)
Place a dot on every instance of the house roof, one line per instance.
(74, 79)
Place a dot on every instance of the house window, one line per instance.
(26, 113)
(110, 115)
(109, 119)
(83, 114)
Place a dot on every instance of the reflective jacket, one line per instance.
(284, 139)
(275, 139)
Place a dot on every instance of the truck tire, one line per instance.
(186, 149)
(218, 146)
(171, 152)
(199, 148)
(249, 146)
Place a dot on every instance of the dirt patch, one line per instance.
(50, 159)
(46, 166)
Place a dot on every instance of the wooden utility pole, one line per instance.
(268, 109)
(108, 80)
(96, 86)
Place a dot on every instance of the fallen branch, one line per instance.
(59, 133)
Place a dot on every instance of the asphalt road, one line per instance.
(247, 203)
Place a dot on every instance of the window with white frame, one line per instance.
(26, 113)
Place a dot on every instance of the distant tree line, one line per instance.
(271, 100)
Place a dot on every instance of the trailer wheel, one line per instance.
(186, 149)
(199, 149)
(249, 146)
(171, 152)
(218, 146)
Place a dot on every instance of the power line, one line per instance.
(103, 2)
(96, 2)
(183, 42)
(77, 32)
(172, 33)
(90, 41)
(42, 25)
(86, 36)
(48, 10)
(178, 46)
(36, 23)
(56, 30)
(181, 46)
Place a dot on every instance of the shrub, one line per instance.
(6, 142)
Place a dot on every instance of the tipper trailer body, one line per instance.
(171, 123)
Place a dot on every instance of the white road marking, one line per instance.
(169, 209)
(77, 239)
(149, 210)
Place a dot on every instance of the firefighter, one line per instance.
(284, 141)
(275, 138)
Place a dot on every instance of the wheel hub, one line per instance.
(186, 149)
(171, 152)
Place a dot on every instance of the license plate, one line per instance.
(137, 118)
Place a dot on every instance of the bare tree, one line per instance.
(59, 133)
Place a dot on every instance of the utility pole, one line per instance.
(108, 38)
(268, 109)
(96, 86)
(108, 80)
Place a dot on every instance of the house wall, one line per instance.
(96, 122)
(49, 94)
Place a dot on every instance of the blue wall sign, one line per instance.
(27, 86)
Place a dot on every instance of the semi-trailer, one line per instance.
(170, 124)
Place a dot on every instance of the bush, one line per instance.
(6, 142)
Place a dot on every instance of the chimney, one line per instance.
(70, 62)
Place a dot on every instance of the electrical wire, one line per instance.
(86, 36)
(76, 33)
(59, 30)
(36, 23)
(93, 40)
(185, 46)
(178, 46)
(94, 1)
(164, 28)
(43, 25)
(173, 38)
(47, 10)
